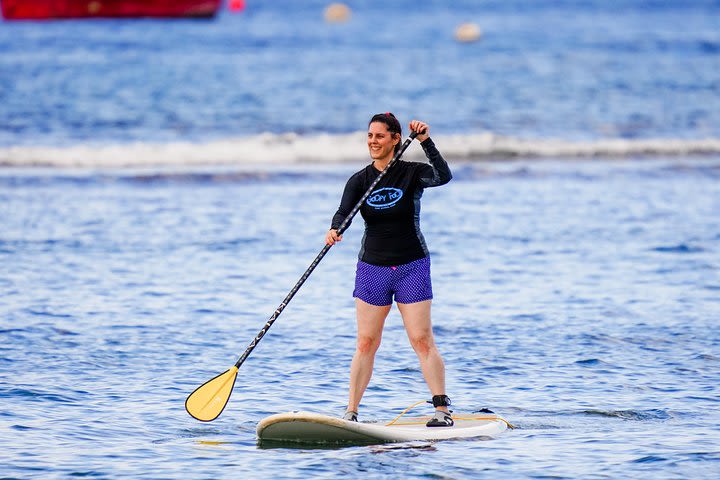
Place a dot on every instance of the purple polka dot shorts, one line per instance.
(409, 283)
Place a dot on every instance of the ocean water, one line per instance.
(164, 184)
(580, 300)
(254, 87)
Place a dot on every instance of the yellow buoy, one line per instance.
(337, 13)
(468, 32)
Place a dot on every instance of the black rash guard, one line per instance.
(392, 212)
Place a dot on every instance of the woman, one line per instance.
(394, 259)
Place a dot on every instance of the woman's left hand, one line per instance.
(422, 128)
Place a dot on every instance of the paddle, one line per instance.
(208, 401)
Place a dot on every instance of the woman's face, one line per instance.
(381, 142)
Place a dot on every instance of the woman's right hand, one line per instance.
(332, 237)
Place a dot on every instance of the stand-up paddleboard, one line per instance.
(305, 427)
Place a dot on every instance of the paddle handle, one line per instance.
(343, 226)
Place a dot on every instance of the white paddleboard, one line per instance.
(306, 427)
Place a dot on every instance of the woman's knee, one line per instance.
(423, 344)
(368, 345)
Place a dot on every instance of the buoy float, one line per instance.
(337, 13)
(467, 33)
(236, 5)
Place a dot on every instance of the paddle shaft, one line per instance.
(343, 226)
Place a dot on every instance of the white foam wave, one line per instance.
(292, 148)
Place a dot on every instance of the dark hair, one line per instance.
(392, 123)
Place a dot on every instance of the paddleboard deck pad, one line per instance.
(306, 427)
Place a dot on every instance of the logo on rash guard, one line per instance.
(384, 197)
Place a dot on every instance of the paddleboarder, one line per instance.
(394, 262)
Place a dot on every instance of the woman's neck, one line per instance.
(381, 163)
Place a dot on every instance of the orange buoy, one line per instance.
(337, 13)
(467, 33)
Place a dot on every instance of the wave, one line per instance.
(637, 415)
(293, 148)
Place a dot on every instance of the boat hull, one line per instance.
(58, 9)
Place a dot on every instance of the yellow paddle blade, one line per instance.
(208, 401)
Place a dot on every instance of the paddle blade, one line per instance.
(208, 401)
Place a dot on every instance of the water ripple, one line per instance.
(124, 297)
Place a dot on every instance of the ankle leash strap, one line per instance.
(440, 401)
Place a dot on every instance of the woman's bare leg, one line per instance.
(416, 317)
(370, 322)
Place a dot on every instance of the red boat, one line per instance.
(49, 9)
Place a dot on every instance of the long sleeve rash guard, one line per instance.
(392, 211)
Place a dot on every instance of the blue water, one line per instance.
(562, 69)
(579, 298)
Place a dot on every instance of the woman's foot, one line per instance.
(350, 416)
(440, 419)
